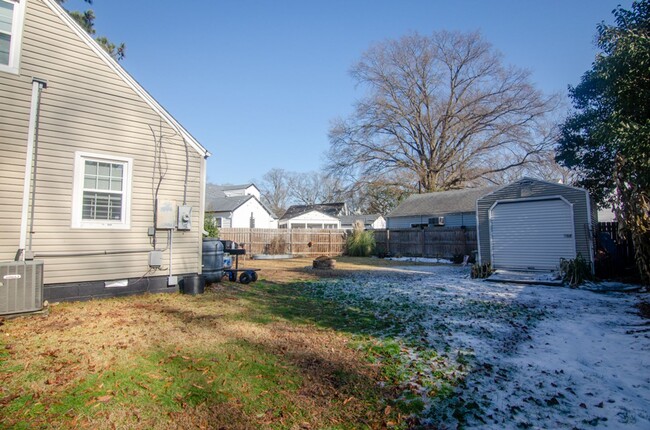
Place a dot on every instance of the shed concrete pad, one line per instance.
(539, 277)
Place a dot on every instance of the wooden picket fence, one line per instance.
(437, 243)
(295, 242)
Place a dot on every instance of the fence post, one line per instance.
(422, 239)
(329, 244)
(465, 251)
(387, 242)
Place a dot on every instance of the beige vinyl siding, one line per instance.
(88, 107)
(14, 120)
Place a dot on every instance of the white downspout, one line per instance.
(37, 87)
(171, 253)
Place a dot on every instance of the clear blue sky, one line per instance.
(258, 82)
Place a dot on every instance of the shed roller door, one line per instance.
(532, 235)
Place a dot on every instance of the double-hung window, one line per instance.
(101, 191)
(11, 23)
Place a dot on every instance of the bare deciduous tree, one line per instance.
(274, 190)
(443, 108)
(310, 188)
(542, 166)
(280, 189)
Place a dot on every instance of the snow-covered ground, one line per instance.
(508, 355)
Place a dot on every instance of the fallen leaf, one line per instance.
(104, 399)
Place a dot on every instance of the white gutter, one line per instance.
(37, 87)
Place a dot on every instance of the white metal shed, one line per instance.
(532, 225)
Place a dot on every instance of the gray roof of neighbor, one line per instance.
(331, 209)
(440, 203)
(236, 187)
(225, 204)
(214, 190)
(216, 200)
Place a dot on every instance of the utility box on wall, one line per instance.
(165, 214)
(184, 217)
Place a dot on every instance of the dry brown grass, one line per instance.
(77, 354)
(301, 268)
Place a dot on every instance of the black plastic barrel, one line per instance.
(193, 284)
(212, 259)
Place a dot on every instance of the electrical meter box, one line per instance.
(184, 217)
(165, 214)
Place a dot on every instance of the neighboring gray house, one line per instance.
(456, 208)
(238, 206)
(370, 222)
(532, 224)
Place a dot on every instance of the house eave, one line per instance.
(128, 79)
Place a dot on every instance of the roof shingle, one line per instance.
(440, 203)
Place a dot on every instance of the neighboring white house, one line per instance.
(238, 206)
(240, 190)
(324, 215)
(370, 222)
(606, 215)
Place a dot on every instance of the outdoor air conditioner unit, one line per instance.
(21, 286)
(440, 220)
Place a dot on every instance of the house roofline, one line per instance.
(126, 77)
(528, 178)
(308, 211)
(249, 196)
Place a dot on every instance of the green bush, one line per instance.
(360, 243)
(210, 226)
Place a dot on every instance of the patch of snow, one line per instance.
(515, 355)
(421, 260)
(610, 286)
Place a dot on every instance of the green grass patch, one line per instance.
(306, 303)
(156, 384)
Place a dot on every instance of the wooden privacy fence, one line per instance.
(437, 243)
(307, 242)
(614, 252)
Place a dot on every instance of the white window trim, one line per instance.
(16, 36)
(77, 192)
